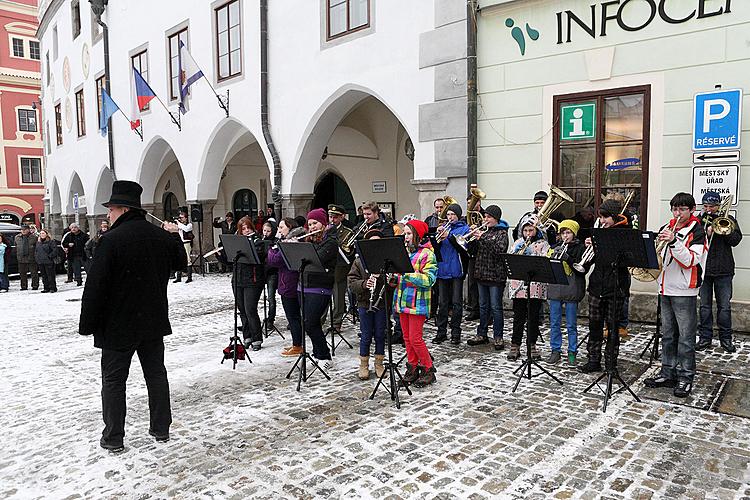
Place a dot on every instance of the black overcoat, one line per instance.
(125, 298)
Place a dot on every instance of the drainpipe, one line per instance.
(276, 192)
(97, 6)
(471, 92)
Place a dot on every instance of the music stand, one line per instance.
(267, 331)
(334, 331)
(618, 248)
(302, 257)
(528, 268)
(653, 343)
(239, 247)
(383, 256)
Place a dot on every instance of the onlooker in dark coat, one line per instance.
(227, 226)
(125, 307)
(74, 245)
(26, 256)
(92, 243)
(46, 251)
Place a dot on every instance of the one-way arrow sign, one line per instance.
(717, 157)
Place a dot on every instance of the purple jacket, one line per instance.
(287, 279)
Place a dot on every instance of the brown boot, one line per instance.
(623, 332)
(379, 368)
(364, 368)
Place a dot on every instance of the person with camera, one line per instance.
(227, 226)
(185, 228)
(125, 308)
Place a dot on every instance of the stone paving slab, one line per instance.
(247, 433)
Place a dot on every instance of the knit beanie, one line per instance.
(494, 211)
(610, 208)
(318, 214)
(711, 198)
(455, 208)
(540, 195)
(569, 224)
(420, 227)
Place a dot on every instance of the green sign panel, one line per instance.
(578, 121)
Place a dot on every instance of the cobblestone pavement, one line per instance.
(247, 432)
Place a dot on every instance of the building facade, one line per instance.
(22, 160)
(601, 96)
(365, 101)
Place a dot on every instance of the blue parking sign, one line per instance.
(717, 123)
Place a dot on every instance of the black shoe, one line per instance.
(112, 448)
(472, 317)
(44, 291)
(683, 389)
(477, 340)
(411, 375)
(189, 280)
(456, 340)
(590, 367)
(727, 345)
(53, 291)
(176, 280)
(656, 382)
(703, 344)
(427, 378)
(440, 338)
(35, 288)
(79, 283)
(160, 438)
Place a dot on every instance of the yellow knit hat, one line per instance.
(570, 224)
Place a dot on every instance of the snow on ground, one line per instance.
(247, 432)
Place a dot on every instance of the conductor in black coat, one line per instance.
(125, 308)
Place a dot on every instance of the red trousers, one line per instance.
(416, 349)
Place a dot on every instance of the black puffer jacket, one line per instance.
(328, 251)
(720, 258)
(125, 298)
(46, 250)
(248, 275)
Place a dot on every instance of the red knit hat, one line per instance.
(318, 214)
(419, 227)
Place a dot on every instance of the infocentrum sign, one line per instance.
(599, 18)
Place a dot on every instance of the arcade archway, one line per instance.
(331, 188)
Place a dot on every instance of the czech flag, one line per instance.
(141, 94)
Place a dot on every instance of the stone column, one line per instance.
(427, 191)
(207, 231)
(55, 224)
(296, 204)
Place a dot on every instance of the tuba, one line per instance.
(721, 223)
(473, 216)
(557, 197)
(447, 201)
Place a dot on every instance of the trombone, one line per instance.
(720, 221)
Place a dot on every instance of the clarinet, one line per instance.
(376, 305)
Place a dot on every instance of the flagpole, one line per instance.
(177, 121)
(136, 130)
(224, 105)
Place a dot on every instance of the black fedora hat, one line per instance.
(125, 194)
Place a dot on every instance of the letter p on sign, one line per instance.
(717, 123)
(709, 107)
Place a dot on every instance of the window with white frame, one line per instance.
(27, 120)
(31, 170)
(18, 47)
(174, 64)
(34, 51)
(228, 40)
(75, 18)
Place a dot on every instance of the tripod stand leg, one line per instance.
(626, 386)
(608, 392)
(518, 380)
(545, 371)
(595, 382)
(580, 342)
(294, 367)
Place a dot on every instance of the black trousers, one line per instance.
(519, 320)
(451, 293)
(601, 313)
(23, 270)
(472, 301)
(247, 302)
(115, 368)
(272, 285)
(316, 306)
(48, 276)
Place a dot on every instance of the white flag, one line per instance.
(189, 74)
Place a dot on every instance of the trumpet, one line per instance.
(476, 233)
(443, 232)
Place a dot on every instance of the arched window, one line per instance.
(171, 207)
(244, 202)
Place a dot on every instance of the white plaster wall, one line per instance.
(304, 74)
(515, 141)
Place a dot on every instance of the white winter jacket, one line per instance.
(683, 260)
